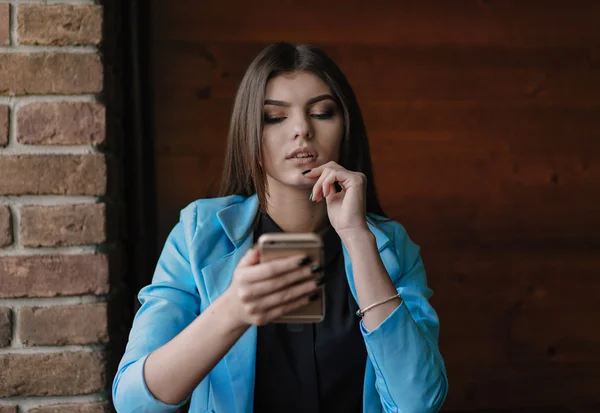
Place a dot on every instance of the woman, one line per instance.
(297, 161)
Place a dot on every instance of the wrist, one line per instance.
(226, 305)
(358, 237)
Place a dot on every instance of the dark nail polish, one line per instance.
(313, 297)
(310, 197)
(304, 261)
(307, 171)
(337, 186)
(320, 281)
(317, 268)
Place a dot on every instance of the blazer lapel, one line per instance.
(236, 220)
(240, 361)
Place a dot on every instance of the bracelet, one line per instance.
(362, 312)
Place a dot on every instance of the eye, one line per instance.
(324, 115)
(270, 120)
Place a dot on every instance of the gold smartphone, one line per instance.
(284, 244)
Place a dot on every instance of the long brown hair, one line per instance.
(242, 172)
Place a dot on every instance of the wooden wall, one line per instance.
(484, 119)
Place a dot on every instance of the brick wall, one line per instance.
(54, 242)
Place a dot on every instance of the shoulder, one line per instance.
(201, 214)
(204, 208)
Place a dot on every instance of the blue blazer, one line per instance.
(404, 371)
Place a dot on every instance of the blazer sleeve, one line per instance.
(168, 305)
(410, 372)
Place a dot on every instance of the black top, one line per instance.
(313, 367)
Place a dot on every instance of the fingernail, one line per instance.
(316, 268)
(304, 261)
(313, 297)
(307, 171)
(310, 197)
(320, 281)
(337, 186)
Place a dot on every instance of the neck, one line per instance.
(291, 209)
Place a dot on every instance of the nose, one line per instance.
(302, 127)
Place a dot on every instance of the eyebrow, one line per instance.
(311, 101)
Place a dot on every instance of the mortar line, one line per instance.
(51, 251)
(49, 49)
(50, 302)
(14, 316)
(14, 33)
(87, 348)
(43, 2)
(16, 222)
(20, 101)
(47, 200)
(26, 403)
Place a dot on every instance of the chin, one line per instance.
(300, 184)
(289, 180)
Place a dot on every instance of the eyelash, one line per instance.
(320, 116)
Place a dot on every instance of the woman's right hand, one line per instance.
(260, 293)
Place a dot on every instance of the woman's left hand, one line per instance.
(347, 209)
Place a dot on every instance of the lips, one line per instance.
(302, 153)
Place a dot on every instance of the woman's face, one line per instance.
(302, 129)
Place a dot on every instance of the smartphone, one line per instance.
(284, 244)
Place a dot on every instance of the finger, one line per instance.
(329, 185)
(316, 171)
(287, 295)
(327, 180)
(275, 268)
(267, 287)
(250, 258)
(279, 311)
(316, 194)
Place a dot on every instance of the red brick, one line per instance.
(4, 24)
(50, 73)
(53, 275)
(102, 407)
(63, 225)
(5, 326)
(59, 24)
(55, 374)
(56, 326)
(8, 409)
(6, 237)
(53, 174)
(3, 124)
(61, 123)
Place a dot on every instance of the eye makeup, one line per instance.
(325, 113)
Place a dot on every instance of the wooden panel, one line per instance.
(181, 180)
(472, 337)
(425, 22)
(559, 336)
(516, 335)
(470, 224)
(524, 385)
(497, 281)
(191, 70)
(520, 124)
(198, 129)
(516, 306)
